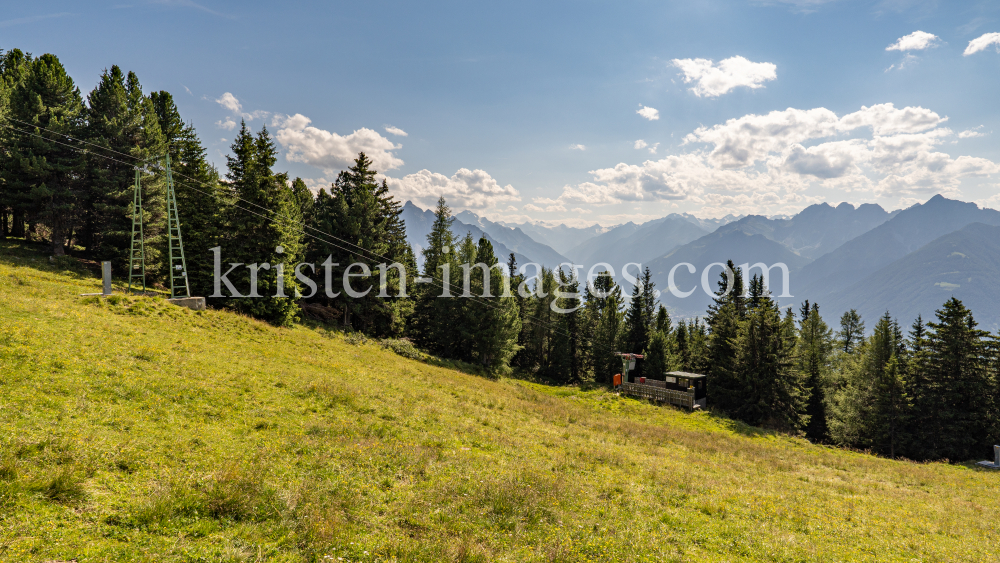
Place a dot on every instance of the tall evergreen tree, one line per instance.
(952, 388)
(494, 313)
(15, 200)
(263, 239)
(435, 316)
(122, 120)
(815, 345)
(764, 367)
(202, 203)
(852, 331)
(726, 312)
(43, 170)
(604, 325)
(357, 226)
(870, 410)
(639, 317)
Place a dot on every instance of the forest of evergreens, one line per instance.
(66, 179)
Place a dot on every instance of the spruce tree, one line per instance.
(263, 232)
(495, 315)
(774, 394)
(815, 345)
(604, 321)
(15, 198)
(852, 331)
(202, 205)
(870, 410)
(952, 388)
(434, 317)
(121, 120)
(724, 316)
(639, 318)
(47, 174)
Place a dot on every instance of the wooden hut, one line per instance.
(676, 388)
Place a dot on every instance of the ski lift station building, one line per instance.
(679, 388)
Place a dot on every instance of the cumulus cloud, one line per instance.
(395, 131)
(228, 124)
(640, 144)
(763, 163)
(982, 42)
(229, 101)
(577, 148)
(712, 80)
(652, 149)
(331, 151)
(649, 113)
(971, 133)
(916, 41)
(466, 189)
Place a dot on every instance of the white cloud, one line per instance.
(763, 163)
(331, 151)
(228, 124)
(649, 113)
(395, 131)
(230, 102)
(916, 41)
(982, 42)
(714, 80)
(652, 149)
(640, 144)
(466, 189)
(971, 133)
(317, 184)
(577, 148)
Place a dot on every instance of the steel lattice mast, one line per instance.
(137, 255)
(178, 265)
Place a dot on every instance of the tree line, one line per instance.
(67, 167)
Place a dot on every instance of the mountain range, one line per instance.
(908, 261)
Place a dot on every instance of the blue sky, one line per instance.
(531, 111)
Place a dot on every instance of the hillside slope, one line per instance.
(964, 264)
(133, 430)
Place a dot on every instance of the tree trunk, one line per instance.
(17, 224)
(3, 224)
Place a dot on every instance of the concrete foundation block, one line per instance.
(193, 303)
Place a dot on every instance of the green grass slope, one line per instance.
(132, 430)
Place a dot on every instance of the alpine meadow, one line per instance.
(332, 282)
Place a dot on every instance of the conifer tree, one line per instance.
(952, 389)
(567, 335)
(122, 120)
(815, 345)
(774, 394)
(604, 321)
(871, 409)
(44, 171)
(494, 314)
(202, 205)
(852, 331)
(357, 236)
(263, 239)
(639, 317)
(434, 317)
(15, 199)
(724, 316)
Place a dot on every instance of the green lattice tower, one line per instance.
(137, 256)
(177, 265)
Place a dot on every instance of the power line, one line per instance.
(290, 221)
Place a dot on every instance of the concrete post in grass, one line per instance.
(106, 267)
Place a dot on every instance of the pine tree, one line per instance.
(121, 120)
(493, 314)
(202, 206)
(434, 318)
(952, 388)
(724, 316)
(774, 394)
(604, 321)
(871, 409)
(357, 232)
(639, 318)
(265, 238)
(567, 364)
(815, 345)
(42, 168)
(852, 331)
(15, 198)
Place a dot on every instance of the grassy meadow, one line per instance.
(133, 430)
